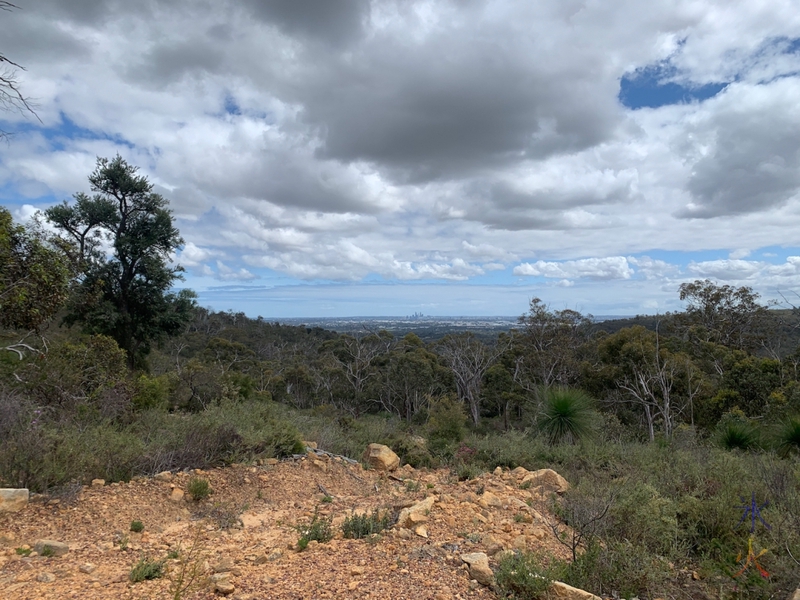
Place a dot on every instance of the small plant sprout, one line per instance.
(137, 526)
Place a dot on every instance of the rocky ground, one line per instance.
(241, 542)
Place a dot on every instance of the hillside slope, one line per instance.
(257, 556)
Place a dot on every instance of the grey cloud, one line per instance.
(169, 62)
(755, 161)
(453, 104)
(335, 22)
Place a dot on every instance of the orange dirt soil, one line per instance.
(254, 555)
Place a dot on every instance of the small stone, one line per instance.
(261, 559)
(223, 566)
(54, 502)
(87, 568)
(381, 458)
(224, 587)
(421, 508)
(421, 531)
(98, 482)
(55, 548)
(695, 576)
(479, 569)
(352, 585)
(357, 570)
(176, 495)
(164, 476)
(272, 462)
(567, 592)
(498, 471)
(13, 499)
(45, 577)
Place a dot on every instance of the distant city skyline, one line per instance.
(376, 158)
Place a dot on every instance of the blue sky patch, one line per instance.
(650, 87)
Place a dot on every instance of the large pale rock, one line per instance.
(479, 569)
(381, 458)
(567, 592)
(13, 499)
(547, 479)
(796, 595)
(409, 518)
(56, 548)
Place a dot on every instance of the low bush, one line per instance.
(146, 569)
(137, 526)
(199, 488)
(359, 526)
(527, 575)
(319, 529)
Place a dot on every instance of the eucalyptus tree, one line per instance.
(469, 359)
(125, 237)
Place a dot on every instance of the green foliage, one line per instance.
(34, 276)
(126, 297)
(153, 392)
(146, 569)
(736, 432)
(199, 488)
(788, 436)
(23, 551)
(47, 552)
(567, 415)
(359, 526)
(527, 575)
(319, 529)
(447, 423)
(137, 526)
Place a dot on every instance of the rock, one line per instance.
(479, 569)
(55, 548)
(310, 445)
(498, 471)
(492, 545)
(164, 476)
(98, 482)
(421, 531)
(488, 499)
(271, 462)
(519, 472)
(87, 568)
(381, 458)
(322, 466)
(547, 479)
(357, 570)
(224, 566)
(796, 595)
(224, 587)
(176, 495)
(13, 499)
(45, 577)
(567, 592)
(405, 519)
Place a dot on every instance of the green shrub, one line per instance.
(318, 529)
(447, 422)
(364, 525)
(153, 392)
(736, 432)
(137, 526)
(146, 569)
(567, 415)
(47, 551)
(198, 488)
(788, 438)
(527, 575)
(23, 551)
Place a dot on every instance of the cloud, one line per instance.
(225, 273)
(613, 267)
(426, 140)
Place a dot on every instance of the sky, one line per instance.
(388, 157)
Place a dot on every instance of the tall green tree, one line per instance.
(34, 276)
(124, 291)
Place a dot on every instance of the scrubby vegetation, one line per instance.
(669, 429)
